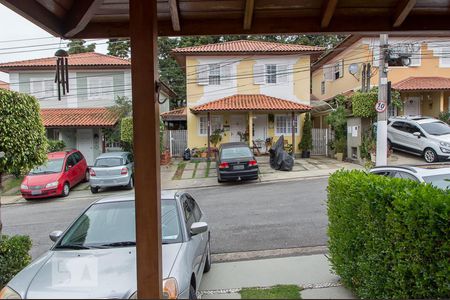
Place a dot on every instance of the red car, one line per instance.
(62, 171)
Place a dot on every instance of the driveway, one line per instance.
(402, 158)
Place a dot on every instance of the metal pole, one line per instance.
(293, 133)
(381, 154)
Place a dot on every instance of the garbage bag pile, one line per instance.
(280, 159)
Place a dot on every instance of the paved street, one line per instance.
(242, 217)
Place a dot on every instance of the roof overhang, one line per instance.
(79, 117)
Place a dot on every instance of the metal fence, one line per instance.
(321, 140)
(175, 141)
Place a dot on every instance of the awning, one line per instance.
(179, 114)
(423, 84)
(251, 103)
(79, 117)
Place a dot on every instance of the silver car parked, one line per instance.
(112, 169)
(96, 256)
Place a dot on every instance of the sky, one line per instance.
(18, 35)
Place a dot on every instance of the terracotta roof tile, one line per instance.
(422, 83)
(179, 114)
(248, 46)
(89, 59)
(78, 117)
(251, 102)
(4, 85)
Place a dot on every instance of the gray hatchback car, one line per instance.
(112, 169)
(96, 256)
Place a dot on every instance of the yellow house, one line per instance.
(250, 90)
(424, 85)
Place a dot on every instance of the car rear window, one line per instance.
(238, 152)
(108, 162)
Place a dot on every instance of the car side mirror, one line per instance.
(418, 134)
(198, 227)
(54, 235)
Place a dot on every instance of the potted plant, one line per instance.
(340, 146)
(306, 143)
(216, 137)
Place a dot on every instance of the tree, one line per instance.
(306, 143)
(22, 135)
(78, 46)
(119, 47)
(122, 108)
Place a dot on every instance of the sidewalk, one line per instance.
(311, 272)
(196, 174)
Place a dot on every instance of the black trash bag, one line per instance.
(187, 154)
(280, 159)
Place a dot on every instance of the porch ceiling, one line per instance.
(110, 18)
(256, 102)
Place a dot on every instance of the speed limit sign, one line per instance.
(380, 106)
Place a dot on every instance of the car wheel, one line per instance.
(192, 293)
(130, 184)
(66, 190)
(86, 176)
(208, 257)
(430, 155)
(94, 190)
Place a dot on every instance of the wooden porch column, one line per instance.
(250, 129)
(143, 34)
(441, 102)
(209, 136)
(293, 133)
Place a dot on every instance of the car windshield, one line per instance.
(436, 128)
(108, 162)
(440, 181)
(238, 152)
(112, 224)
(51, 166)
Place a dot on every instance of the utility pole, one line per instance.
(381, 106)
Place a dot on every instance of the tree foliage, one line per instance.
(119, 47)
(306, 143)
(122, 108)
(363, 104)
(78, 46)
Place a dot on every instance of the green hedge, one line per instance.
(388, 237)
(55, 145)
(13, 256)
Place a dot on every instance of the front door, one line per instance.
(237, 125)
(85, 143)
(260, 131)
(412, 106)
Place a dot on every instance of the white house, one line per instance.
(95, 82)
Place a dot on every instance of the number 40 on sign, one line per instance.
(380, 106)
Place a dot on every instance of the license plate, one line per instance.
(36, 192)
(238, 167)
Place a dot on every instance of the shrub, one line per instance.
(55, 145)
(363, 104)
(306, 143)
(389, 237)
(444, 116)
(13, 256)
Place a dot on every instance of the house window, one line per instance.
(444, 57)
(42, 87)
(339, 70)
(216, 123)
(214, 74)
(322, 87)
(271, 73)
(53, 134)
(100, 87)
(283, 124)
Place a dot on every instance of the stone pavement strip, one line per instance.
(311, 272)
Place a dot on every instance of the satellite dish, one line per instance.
(353, 68)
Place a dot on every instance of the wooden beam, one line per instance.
(37, 14)
(438, 25)
(174, 15)
(144, 72)
(403, 9)
(80, 14)
(328, 12)
(248, 14)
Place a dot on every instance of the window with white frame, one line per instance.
(283, 124)
(100, 87)
(216, 123)
(271, 73)
(214, 74)
(52, 134)
(42, 87)
(444, 60)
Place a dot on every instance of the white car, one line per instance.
(438, 177)
(423, 136)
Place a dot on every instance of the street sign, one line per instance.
(380, 106)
